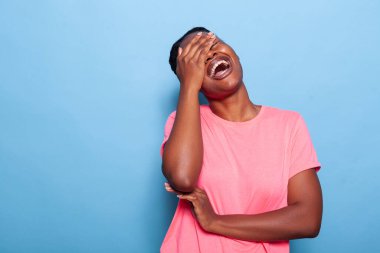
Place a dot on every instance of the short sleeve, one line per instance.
(167, 129)
(302, 152)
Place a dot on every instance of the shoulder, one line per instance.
(282, 114)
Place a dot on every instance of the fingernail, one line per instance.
(199, 33)
(179, 196)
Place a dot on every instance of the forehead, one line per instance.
(190, 36)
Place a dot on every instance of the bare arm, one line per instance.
(183, 152)
(301, 218)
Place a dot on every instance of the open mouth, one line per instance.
(219, 68)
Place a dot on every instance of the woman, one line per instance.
(245, 174)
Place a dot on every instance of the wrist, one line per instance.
(214, 224)
(191, 84)
(188, 90)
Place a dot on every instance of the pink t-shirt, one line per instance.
(246, 168)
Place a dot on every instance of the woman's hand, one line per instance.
(201, 206)
(191, 67)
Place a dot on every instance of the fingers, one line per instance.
(193, 199)
(179, 51)
(198, 192)
(188, 197)
(192, 48)
(201, 54)
(189, 46)
(170, 189)
(197, 45)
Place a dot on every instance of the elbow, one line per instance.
(309, 220)
(312, 229)
(179, 181)
(183, 185)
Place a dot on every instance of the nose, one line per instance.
(210, 55)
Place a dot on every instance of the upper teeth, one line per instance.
(216, 65)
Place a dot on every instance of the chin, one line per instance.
(221, 88)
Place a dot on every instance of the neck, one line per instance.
(236, 107)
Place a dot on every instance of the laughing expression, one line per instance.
(224, 73)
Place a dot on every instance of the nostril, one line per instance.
(210, 58)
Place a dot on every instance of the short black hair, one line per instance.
(174, 50)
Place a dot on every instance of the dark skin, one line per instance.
(183, 153)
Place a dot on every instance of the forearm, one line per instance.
(183, 155)
(287, 223)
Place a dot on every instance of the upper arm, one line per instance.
(304, 190)
(167, 130)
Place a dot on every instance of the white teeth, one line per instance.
(216, 65)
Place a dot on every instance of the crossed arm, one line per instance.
(300, 219)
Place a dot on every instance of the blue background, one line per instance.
(85, 90)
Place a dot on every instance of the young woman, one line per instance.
(245, 174)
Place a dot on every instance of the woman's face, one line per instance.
(224, 74)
